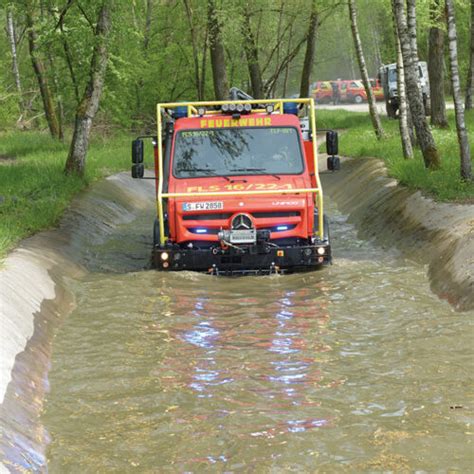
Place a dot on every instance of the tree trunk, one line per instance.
(310, 47)
(425, 138)
(146, 34)
(192, 30)
(16, 72)
(202, 85)
(287, 68)
(251, 53)
(402, 97)
(411, 25)
(466, 172)
(87, 109)
(403, 109)
(59, 101)
(436, 66)
(39, 69)
(221, 86)
(376, 123)
(470, 72)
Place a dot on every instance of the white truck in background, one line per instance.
(388, 78)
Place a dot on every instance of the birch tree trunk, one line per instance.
(39, 69)
(89, 105)
(309, 54)
(466, 172)
(219, 74)
(436, 65)
(376, 123)
(415, 101)
(411, 26)
(16, 72)
(403, 109)
(470, 72)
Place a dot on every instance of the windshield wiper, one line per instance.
(262, 171)
(208, 171)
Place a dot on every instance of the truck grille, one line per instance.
(226, 215)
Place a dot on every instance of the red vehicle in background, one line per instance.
(322, 92)
(377, 89)
(351, 91)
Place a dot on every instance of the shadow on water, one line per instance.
(349, 367)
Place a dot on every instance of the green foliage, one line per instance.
(358, 140)
(34, 192)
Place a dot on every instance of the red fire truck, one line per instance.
(237, 187)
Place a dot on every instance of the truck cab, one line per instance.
(388, 78)
(237, 188)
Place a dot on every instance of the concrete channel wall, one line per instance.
(35, 294)
(34, 300)
(440, 235)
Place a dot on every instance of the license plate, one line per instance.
(244, 236)
(203, 206)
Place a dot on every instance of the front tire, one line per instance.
(156, 231)
(358, 99)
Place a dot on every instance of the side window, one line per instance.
(343, 86)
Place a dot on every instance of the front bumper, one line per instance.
(253, 259)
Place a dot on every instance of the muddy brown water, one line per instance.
(357, 367)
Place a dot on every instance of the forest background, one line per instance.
(159, 51)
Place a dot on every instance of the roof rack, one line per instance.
(258, 106)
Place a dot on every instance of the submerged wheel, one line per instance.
(156, 232)
(326, 233)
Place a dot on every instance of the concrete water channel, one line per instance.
(357, 367)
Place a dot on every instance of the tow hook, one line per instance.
(213, 270)
(274, 269)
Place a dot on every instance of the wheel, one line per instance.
(326, 234)
(427, 104)
(156, 231)
(391, 110)
(358, 99)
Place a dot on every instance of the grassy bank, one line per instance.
(33, 189)
(358, 140)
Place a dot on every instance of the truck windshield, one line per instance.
(237, 151)
(392, 75)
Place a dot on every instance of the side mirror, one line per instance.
(333, 163)
(138, 170)
(137, 151)
(332, 145)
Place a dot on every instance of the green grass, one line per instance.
(358, 140)
(34, 192)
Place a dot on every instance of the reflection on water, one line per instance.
(354, 367)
